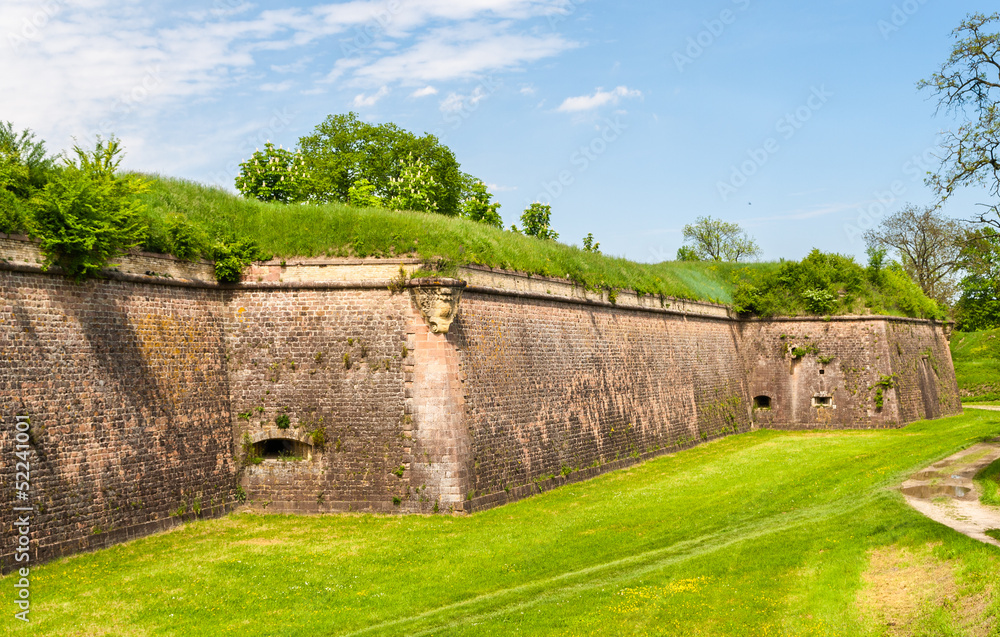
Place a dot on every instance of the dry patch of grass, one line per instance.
(909, 592)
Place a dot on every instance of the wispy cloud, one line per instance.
(362, 100)
(424, 92)
(598, 99)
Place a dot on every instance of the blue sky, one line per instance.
(800, 121)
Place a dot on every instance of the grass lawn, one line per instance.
(977, 365)
(767, 533)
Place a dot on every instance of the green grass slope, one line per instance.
(767, 533)
(339, 231)
(977, 365)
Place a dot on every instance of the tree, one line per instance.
(969, 84)
(589, 245)
(535, 221)
(978, 308)
(477, 203)
(929, 247)
(414, 189)
(343, 150)
(717, 240)
(273, 174)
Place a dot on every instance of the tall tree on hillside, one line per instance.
(978, 308)
(929, 247)
(968, 84)
(718, 240)
(343, 150)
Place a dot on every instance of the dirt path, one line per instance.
(989, 407)
(945, 492)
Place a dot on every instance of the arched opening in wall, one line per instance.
(281, 449)
(761, 402)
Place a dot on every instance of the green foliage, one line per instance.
(717, 240)
(685, 253)
(87, 213)
(589, 245)
(829, 284)
(977, 364)
(978, 307)
(185, 240)
(876, 263)
(24, 166)
(282, 421)
(535, 221)
(343, 150)
(414, 189)
(362, 195)
(967, 87)
(274, 174)
(800, 352)
(819, 301)
(477, 204)
(231, 258)
(319, 437)
(884, 384)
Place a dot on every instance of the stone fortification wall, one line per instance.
(125, 386)
(330, 361)
(156, 395)
(556, 387)
(848, 372)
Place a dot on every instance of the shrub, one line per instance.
(362, 194)
(185, 240)
(283, 421)
(232, 258)
(88, 214)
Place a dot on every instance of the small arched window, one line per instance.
(761, 402)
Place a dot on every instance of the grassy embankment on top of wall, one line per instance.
(977, 365)
(340, 231)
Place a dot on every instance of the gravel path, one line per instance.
(989, 407)
(945, 492)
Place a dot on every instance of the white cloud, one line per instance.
(462, 53)
(362, 100)
(424, 92)
(598, 99)
(528, 90)
(456, 102)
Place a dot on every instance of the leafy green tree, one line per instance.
(929, 246)
(685, 253)
(273, 174)
(88, 213)
(343, 150)
(978, 307)
(589, 245)
(968, 85)
(477, 203)
(24, 169)
(414, 188)
(717, 240)
(535, 221)
(362, 195)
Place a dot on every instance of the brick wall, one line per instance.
(330, 359)
(556, 387)
(794, 362)
(126, 387)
